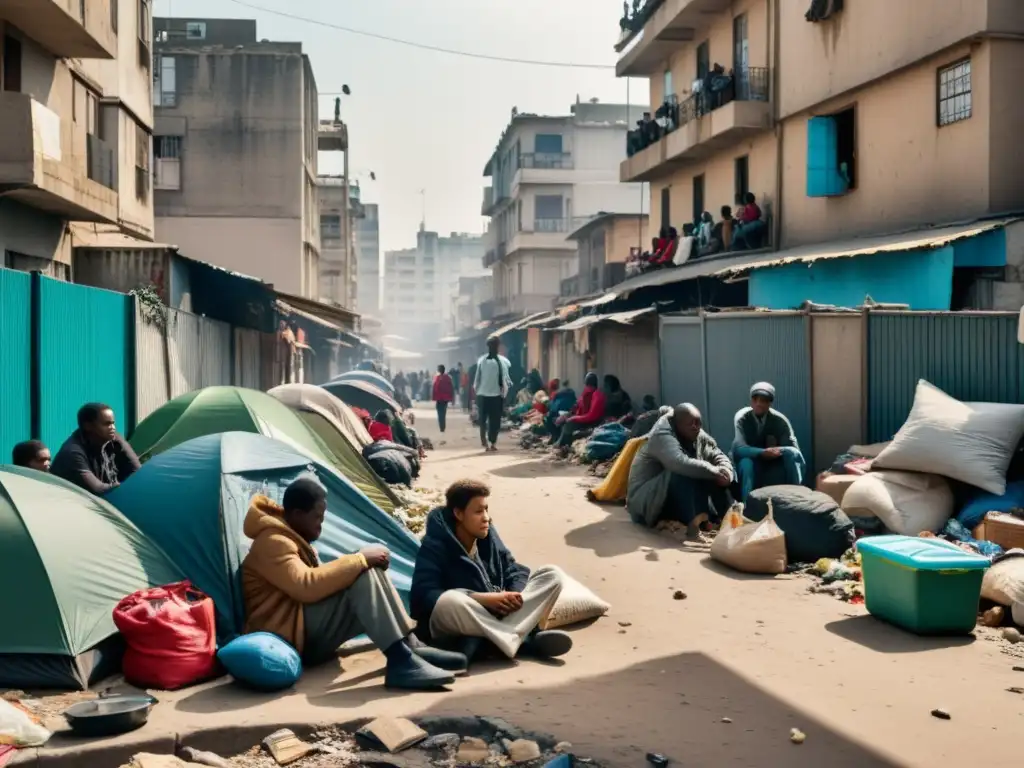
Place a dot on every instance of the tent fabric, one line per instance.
(322, 413)
(309, 397)
(359, 394)
(370, 377)
(66, 559)
(193, 499)
(223, 409)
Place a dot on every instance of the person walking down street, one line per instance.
(443, 394)
(316, 607)
(492, 385)
(95, 457)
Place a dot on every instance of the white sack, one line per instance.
(748, 546)
(907, 503)
(970, 442)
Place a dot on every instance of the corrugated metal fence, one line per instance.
(84, 355)
(199, 352)
(841, 378)
(15, 360)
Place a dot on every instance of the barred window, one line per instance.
(955, 93)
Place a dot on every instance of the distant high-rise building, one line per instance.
(367, 229)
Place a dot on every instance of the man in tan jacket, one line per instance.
(318, 607)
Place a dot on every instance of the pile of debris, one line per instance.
(416, 504)
(391, 742)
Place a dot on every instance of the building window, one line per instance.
(741, 174)
(666, 208)
(113, 15)
(330, 227)
(703, 60)
(667, 85)
(195, 30)
(698, 197)
(142, 150)
(955, 93)
(165, 82)
(145, 38)
(548, 213)
(547, 143)
(831, 154)
(167, 162)
(12, 64)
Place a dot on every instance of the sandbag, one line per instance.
(814, 525)
(170, 636)
(970, 442)
(262, 660)
(907, 503)
(748, 546)
(1003, 583)
(576, 603)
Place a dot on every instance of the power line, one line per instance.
(423, 46)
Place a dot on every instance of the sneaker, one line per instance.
(412, 673)
(548, 644)
(450, 661)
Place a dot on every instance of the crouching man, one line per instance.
(318, 607)
(467, 586)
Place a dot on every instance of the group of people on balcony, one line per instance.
(712, 90)
(704, 237)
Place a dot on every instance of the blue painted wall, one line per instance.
(987, 250)
(922, 279)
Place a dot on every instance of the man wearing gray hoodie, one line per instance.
(680, 473)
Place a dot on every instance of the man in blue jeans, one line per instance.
(764, 449)
(492, 384)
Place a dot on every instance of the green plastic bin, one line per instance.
(926, 586)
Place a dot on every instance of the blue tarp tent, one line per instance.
(192, 501)
(370, 377)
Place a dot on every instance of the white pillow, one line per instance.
(970, 442)
(575, 604)
(907, 503)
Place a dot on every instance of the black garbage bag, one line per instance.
(392, 467)
(814, 525)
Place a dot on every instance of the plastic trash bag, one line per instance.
(18, 729)
(748, 546)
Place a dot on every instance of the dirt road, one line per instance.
(661, 674)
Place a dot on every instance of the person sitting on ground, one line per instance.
(318, 607)
(680, 474)
(95, 457)
(31, 454)
(649, 415)
(618, 404)
(542, 404)
(467, 587)
(585, 415)
(765, 448)
(380, 427)
(749, 227)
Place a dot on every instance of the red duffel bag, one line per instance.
(170, 634)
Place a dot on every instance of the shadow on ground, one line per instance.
(673, 706)
(536, 468)
(878, 636)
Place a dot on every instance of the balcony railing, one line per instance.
(546, 160)
(551, 225)
(745, 84)
(101, 162)
(569, 287)
(632, 23)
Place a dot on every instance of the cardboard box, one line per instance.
(1000, 528)
(835, 485)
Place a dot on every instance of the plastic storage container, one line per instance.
(926, 586)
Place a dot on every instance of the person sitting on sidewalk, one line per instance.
(765, 448)
(32, 454)
(680, 474)
(468, 587)
(585, 415)
(318, 607)
(95, 457)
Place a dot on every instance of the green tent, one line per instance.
(213, 410)
(66, 560)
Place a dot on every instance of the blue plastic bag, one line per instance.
(262, 661)
(975, 510)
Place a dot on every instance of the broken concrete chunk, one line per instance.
(563, 747)
(442, 741)
(198, 757)
(472, 751)
(523, 751)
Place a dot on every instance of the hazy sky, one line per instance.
(427, 120)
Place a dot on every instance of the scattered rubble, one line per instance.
(1011, 635)
(941, 714)
(797, 736)
(416, 504)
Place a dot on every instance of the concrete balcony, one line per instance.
(544, 235)
(704, 129)
(331, 136)
(59, 27)
(543, 168)
(671, 23)
(37, 167)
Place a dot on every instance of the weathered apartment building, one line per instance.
(870, 128)
(367, 229)
(76, 120)
(419, 284)
(339, 270)
(548, 175)
(235, 150)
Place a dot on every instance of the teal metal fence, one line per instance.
(15, 360)
(84, 353)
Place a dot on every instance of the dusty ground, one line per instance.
(761, 652)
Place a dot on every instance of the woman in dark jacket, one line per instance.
(616, 399)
